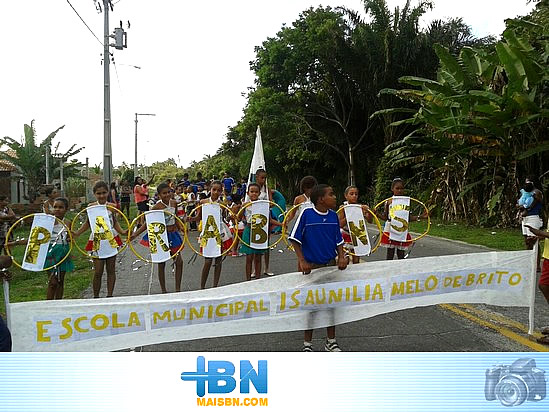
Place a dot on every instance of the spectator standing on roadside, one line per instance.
(125, 193)
(228, 183)
(141, 196)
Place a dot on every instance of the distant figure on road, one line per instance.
(125, 193)
(141, 196)
(532, 215)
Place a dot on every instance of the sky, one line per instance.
(194, 68)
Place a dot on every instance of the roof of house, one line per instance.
(6, 165)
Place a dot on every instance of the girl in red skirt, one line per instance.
(397, 187)
(101, 192)
(351, 198)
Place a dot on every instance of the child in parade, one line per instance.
(264, 194)
(351, 198)
(58, 248)
(215, 197)
(191, 204)
(397, 187)
(235, 207)
(253, 256)
(7, 217)
(101, 192)
(52, 193)
(178, 198)
(317, 241)
(175, 240)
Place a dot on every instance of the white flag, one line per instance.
(399, 214)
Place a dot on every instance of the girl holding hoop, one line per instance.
(397, 187)
(216, 191)
(101, 192)
(253, 256)
(174, 237)
(58, 248)
(351, 198)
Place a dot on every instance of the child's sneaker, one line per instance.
(307, 347)
(331, 346)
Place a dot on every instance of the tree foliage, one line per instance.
(30, 158)
(481, 127)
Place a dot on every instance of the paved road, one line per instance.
(434, 328)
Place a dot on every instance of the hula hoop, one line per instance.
(223, 253)
(428, 217)
(44, 269)
(244, 207)
(134, 221)
(284, 226)
(378, 224)
(114, 209)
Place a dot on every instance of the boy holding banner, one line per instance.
(317, 241)
(163, 238)
(256, 232)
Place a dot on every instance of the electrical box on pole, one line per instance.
(120, 38)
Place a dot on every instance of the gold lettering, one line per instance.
(35, 242)
(320, 300)
(293, 296)
(77, 324)
(398, 289)
(41, 331)
(104, 320)
(481, 277)
(356, 297)
(378, 292)
(115, 323)
(358, 233)
(310, 299)
(392, 214)
(155, 231)
(198, 314)
(258, 235)
(180, 317)
(515, 278)
(282, 304)
(67, 325)
(335, 295)
(262, 307)
(238, 306)
(470, 279)
(134, 319)
(157, 316)
(252, 306)
(434, 281)
(211, 231)
(218, 310)
(101, 231)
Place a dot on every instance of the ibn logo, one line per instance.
(220, 376)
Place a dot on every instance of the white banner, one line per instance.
(39, 242)
(358, 230)
(288, 302)
(159, 245)
(103, 234)
(259, 225)
(210, 237)
(399, 213)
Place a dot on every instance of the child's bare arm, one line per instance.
(341, 258)
(305, 266)
(539, 233)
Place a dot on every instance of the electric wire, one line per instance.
(85, 23)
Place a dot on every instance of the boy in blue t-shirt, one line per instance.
(317, 240)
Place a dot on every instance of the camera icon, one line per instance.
(515, 383)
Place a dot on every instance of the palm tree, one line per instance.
(30, 159)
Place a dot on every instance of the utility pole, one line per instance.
(48, 164)
(135, 164)
(107, 147)
(61, 164)
(120, 43)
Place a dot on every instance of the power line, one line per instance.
(85, 23)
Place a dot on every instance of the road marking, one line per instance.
(501, 330)
(499, 318)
